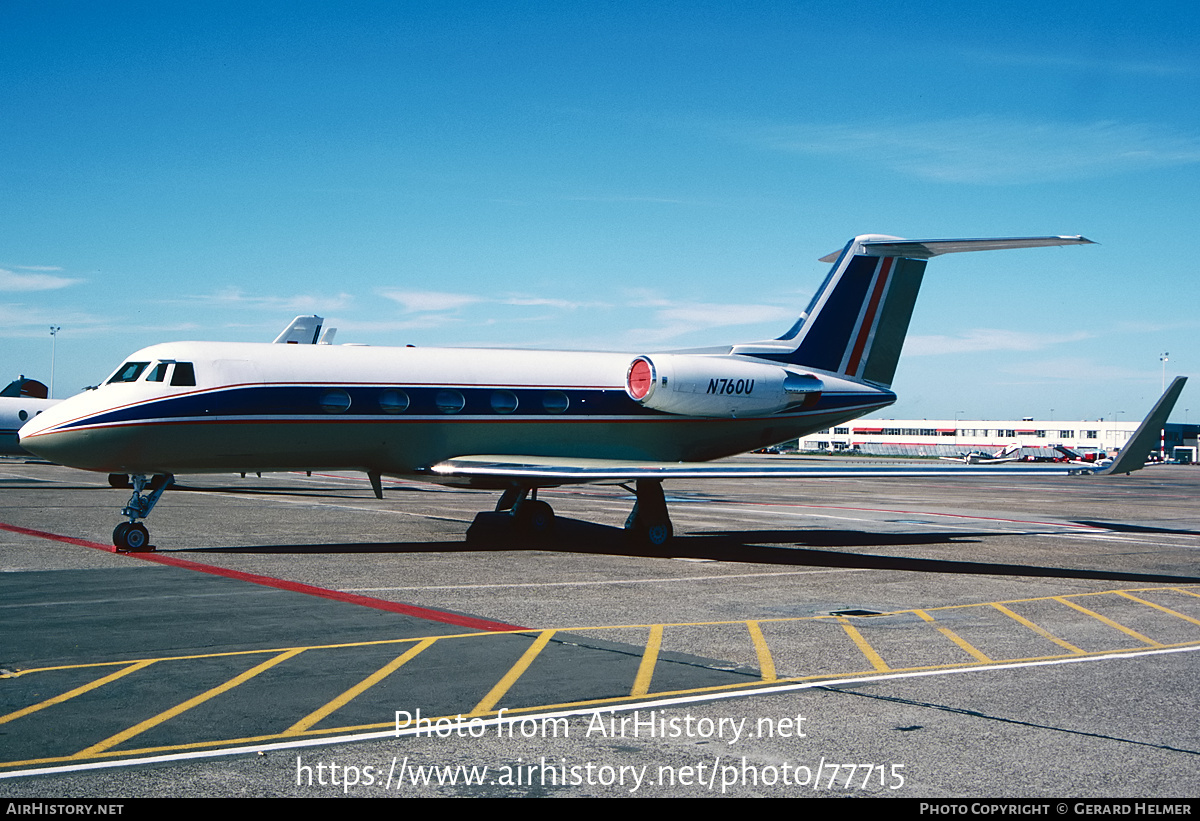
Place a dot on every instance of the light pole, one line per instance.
(1162, 434)
(54, 329)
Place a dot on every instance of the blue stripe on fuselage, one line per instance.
(275, 401)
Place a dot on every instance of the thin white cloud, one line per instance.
(989, 150)
(1075, 369)
(547, 302)
(234, 296)
(1100, 65)
(13, 281)
(430, 301)
(673, 320)
(987, 339)
(703, 315)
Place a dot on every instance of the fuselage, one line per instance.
(196, 407)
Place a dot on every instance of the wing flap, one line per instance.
(540, 470)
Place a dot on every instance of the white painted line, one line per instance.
(718, 577)
(641, 705)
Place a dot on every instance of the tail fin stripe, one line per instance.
(868, 321)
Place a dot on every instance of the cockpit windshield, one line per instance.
(177, 373)
(129, 372)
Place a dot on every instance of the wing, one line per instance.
(507, 470)
(499, 471)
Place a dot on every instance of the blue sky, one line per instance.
(621, 176)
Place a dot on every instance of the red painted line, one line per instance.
(280, 584)
(55, 537)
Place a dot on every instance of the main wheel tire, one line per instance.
(650, 534)
(658, 534)
(119, 480)
(535, 518)
(119, 535)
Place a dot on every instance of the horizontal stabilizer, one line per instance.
(926, 248)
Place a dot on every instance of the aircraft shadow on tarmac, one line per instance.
(320, 492)
(1118, 527)
(778, 547)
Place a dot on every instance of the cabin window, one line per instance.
(128, 372)
(22, 415)
(555, 402)
(504, 401)
(335, 401)
(393, 401)
(184, 374)
(450, 401)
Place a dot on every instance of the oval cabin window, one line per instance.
(335, 401)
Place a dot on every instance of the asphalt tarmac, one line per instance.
(974, 637)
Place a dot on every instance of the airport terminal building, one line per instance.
(953, 437)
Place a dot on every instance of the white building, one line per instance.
(951, 437)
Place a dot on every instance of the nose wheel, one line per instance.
(132, 536)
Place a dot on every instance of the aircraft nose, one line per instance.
(39, 438)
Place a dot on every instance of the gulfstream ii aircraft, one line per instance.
(511, 420)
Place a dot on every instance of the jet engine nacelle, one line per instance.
(691, 385)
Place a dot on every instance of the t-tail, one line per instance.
(856, 323)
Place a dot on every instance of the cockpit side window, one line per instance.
(159, 373)
(185, 374)
(128, 372)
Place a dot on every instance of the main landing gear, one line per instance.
(132, 535)
(519, 511)
(649, 523)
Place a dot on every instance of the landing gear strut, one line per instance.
(520, 511)
(132, 535)
(649, 523)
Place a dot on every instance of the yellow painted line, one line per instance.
(510, 678)
(78, 691)
(641, 684)
(1041, 631)
(364, 685)
(965, 645)
(749, 686)
(1114, 625)
(1166, 610)
(1188, 592)
(141, 727)
(766, 664)
(867, 650)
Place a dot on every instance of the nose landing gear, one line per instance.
(132, 536)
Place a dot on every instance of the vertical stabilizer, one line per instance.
(856, 323)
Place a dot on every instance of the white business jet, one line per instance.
(20, 401)
(511, 420)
